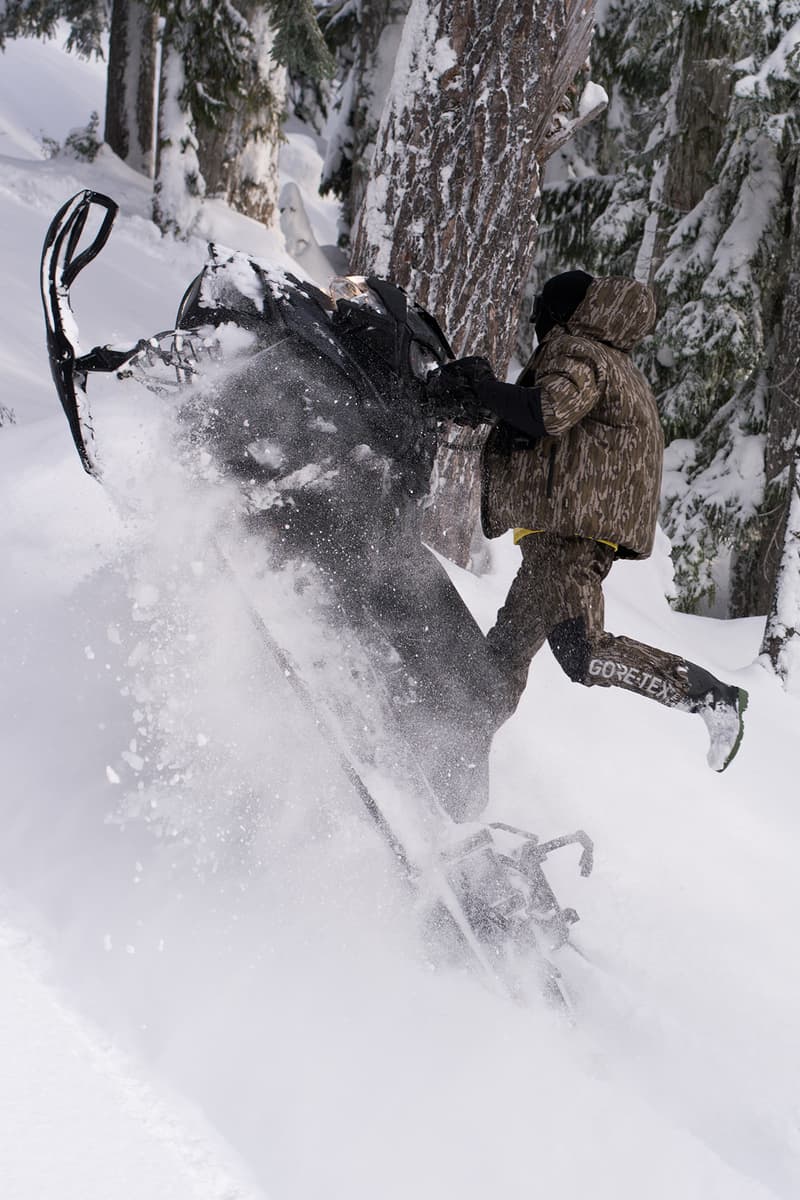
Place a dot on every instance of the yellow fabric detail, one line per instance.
(519, 534)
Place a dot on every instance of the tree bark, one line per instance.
(380, 22)
(239, 155)
(130, 87)
(781, 645)
(451, 203)
(757, 566)
(780, 538)
(450, 208)
(701, 109)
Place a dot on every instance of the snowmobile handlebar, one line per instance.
(68, 226)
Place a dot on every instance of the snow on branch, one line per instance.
(566, 123)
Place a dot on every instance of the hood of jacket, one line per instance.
(617, 310)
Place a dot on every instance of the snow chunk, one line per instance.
(145, 595)
(444, 57)
(266, 453)
(593, 97)
(323, 426)
(311, 476)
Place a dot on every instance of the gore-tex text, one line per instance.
(632, 677)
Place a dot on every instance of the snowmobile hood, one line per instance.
(616, 310)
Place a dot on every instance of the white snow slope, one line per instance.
(213, 987)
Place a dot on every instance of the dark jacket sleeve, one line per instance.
(519, 407)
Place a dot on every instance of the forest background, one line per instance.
(478, 147)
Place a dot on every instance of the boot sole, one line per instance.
(744, 699)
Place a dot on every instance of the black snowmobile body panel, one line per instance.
(322, 418)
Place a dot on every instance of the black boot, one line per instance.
(721, 705)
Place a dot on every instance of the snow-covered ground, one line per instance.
(214, 987)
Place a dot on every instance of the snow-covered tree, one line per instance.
(130, 87)
(221, 101)
(210, 80)
(365, 36)
(179, 186)
(238, 151)
(685, 187)
(299, 42)
(131, 25)
(450, 208)
(719, 280)
(781, 645)
(87, 21)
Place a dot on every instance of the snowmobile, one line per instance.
(315, 403)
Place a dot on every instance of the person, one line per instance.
(573, 464)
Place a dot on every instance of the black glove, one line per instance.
(452, 390)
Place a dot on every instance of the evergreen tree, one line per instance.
(451, 203)
(365, 38)
(87, 21)
(238, 152)
(222, 99)
(299, 44)
(130, 101)
(130, 86)
(691, 198)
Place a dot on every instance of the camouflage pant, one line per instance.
(557, 596)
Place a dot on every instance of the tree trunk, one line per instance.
(780, 541)
(368, 37)
(701, 109)
(179, 186)
(450, 207)
(781, 644)
(757, 566)
(130, 87)
(381, 23)
(239, 155)
(700, 94)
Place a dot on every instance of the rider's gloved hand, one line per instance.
(453, 390)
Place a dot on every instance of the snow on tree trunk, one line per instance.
(781, 645)
(238, 156)
(130, 86)
(179, 186)
(368, 37)
(450, 208)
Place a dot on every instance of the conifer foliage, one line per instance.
(221, 94)
(686, 186)
(87, 20)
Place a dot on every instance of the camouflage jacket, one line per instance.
(598, 472)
